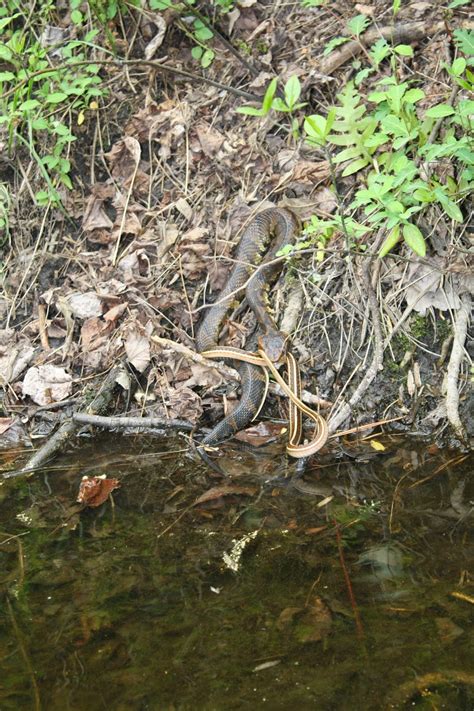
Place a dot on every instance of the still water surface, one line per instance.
(354, 590)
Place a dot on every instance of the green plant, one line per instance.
(395, 142)
(38, 101)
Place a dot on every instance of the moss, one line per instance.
(419, 326)
(243, 47)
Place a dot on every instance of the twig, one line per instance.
(350, 591)
(452, 374)
(154, 64)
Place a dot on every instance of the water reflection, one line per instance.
(353, 590)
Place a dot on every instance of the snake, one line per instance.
(256, 269)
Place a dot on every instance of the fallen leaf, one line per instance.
(46, 384)
(93, 491)
(210, 140)
(137, 348)
(378, 446)
(218, 492)
(261, 434)
(5, 424)
(85, 305)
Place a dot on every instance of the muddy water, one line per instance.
(353, 590)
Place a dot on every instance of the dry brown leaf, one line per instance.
(209, 139)
(95, 217)
(94, 332)
(261, 434)
(94, 491)
(316, 622)
(5, 424)
(217, 492)
(115, 312)
(124, 157)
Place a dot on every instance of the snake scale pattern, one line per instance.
(265, 235)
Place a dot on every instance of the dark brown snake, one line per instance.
(262, 239)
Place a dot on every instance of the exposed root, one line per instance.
(457, 353)
(377, 359)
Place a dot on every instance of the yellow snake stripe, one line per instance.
(293, 390)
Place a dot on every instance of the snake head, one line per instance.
(274, 346)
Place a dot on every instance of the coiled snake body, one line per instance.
(263, 238)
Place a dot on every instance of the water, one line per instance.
(354, 592)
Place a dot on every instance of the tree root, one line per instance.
(377, 359)
(457, 353)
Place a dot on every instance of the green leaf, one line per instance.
(335, 42)
(355, 166)
(39, 124)
(457, 3)
(207, 58)
(6, 76)
(347, 154)
(404, 50)
(250, 111)
(379, 51)
(390, 241)
(279, 105)
(56, 97)
(29, 105)
(268, 98)
(440, 111)
(292, 91)
(202, 32)
(5, 53)
(315, 127)
(413, 95)
(458, 66)
(414, 239)
(358, 24)
(197, 52)
(392, 124)
(77, 17)
(6, 20)
(465, 41)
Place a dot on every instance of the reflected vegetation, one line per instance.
(352, 589)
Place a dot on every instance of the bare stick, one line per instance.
(110, 423)
(399, 33)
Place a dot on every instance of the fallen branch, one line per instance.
(67, 429)
(397, 34)
(457, 354)
(110, 423)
